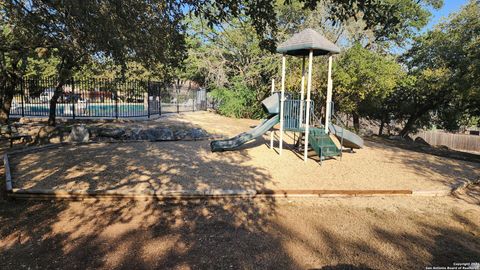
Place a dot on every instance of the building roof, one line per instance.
(301, 43)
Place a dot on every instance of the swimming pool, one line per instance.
(85, 110)
(103, 110)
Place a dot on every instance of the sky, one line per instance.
(449, 6)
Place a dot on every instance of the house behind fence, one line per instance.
(92, 98)
(451, 140)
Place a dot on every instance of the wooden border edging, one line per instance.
(432, 193)
(8, 175)
(143, 194)
(42, 194)
(198, 194)
(334, 192)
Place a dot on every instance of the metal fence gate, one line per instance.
(99, 98)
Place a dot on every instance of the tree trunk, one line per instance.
(413, 118)
(64, 71)
(356, 121)
(385, 119)
(8, 86)
(53, 103)
(5, 108)
(408, 126)
(380, 130)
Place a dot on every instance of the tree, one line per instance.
(382, 22)
(14, 57)
(147, 32)
(392, 20)
(236, 68)
(445, 62)
(12, 66)
(363, 82)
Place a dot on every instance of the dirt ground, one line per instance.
(260, 233)
(349, 233)
(191, 165)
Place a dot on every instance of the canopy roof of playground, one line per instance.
(301, 43)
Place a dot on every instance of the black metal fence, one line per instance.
(90, 98)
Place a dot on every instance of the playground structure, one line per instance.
(297, 115)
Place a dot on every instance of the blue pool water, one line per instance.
(106, 110)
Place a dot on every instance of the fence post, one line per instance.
(194, 100)
(148, 98)
(116, 101)
(176, 96)
(206, 100)
(160, 99)
(22, 90)
(73, 97)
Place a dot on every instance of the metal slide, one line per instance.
(235, 142)
(350, 139)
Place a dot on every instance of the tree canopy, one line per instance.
(76, 32)
(227, 47)
(231, 60)
(364, 81)
(445, 62)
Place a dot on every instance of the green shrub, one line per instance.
(238, 100)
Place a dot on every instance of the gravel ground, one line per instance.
(191, 165)
(353, 233)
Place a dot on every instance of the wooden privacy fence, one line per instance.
(451, 140)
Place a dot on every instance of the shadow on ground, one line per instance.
(260, 233)
(216, 234)
(177, 166)
(220, 233)
(233, 233)
(454, 172)
(432, 150)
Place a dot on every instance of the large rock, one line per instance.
(151, 134)
(45, 134)
(366, 132)
(79, 133)
(115, 133)
(137, 134)
(160, 134)
(198, 133)
(182, 134)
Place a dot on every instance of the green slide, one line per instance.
(235, 142)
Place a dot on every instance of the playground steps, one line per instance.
(322, 143)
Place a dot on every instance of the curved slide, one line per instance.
(235, 142)
(350, 139)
